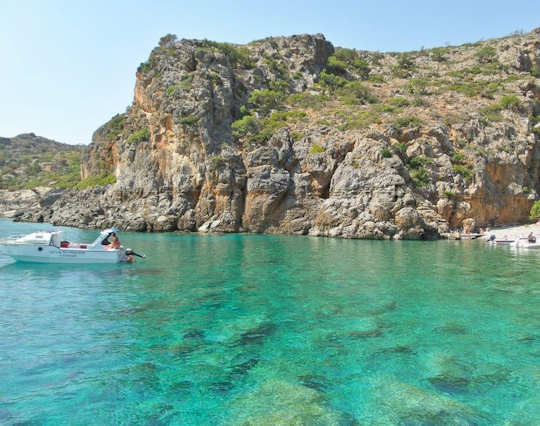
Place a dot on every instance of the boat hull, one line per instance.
(52, 254)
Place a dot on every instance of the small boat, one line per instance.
(50, 247)
(504, 241)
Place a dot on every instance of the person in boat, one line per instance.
(115, 242)
(531, 238)
(111, 241)
(106, 241)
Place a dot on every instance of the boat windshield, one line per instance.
(103, 238)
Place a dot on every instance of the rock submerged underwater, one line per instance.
(292, 135)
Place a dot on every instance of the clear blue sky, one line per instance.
(68, 66)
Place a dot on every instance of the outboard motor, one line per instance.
(130, 252)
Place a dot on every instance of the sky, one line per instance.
(66, 67)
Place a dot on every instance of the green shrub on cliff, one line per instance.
(331, 82)
(254, 130)
(407, 121)
(386, 153)
(535, 211)
(491, 113)
(238, 55)
(316, 149)
(458, 158)
(418, 86)
(266, 100)
(139, 136)
(419, 176)
(355, 93)
(306, 100)
(347, 60)
(399, 102)
(247, 125)
(464, 171)
(360, 120)
(510, 102)
(336, 66)
(486, 54)
(115, 126)
(92, 181)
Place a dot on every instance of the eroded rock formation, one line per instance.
(290, 135)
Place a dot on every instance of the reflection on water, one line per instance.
(267, 329)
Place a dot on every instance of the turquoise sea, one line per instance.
(255, 329)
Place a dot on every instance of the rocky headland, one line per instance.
(294, 135)
(28, 161)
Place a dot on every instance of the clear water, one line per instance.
(215, 329)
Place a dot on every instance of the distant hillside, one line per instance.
(27, 161)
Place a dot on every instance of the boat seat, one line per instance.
(64, 244)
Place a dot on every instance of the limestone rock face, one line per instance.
(280, 136)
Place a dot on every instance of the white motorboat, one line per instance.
(50, 247)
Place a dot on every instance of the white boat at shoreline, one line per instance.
(50, 247)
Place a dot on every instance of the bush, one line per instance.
(510, 102)
(266, 100)
(419, 176)
(331, 82)
(477, 88)
(407, 121)
(354, 93)
(186, 82)
(535, 211)
(458, 158)
(237, 55)
(486, 54)
(376, 78)
(139, 136)
(145, 67)
(189, 120)
(418, 86)
(399, 102)
(345, 55)
(249, 124)
(419, 161)
(115, 126)
(306, 100)
(216, 161)
(316, 149)
(254, 130)
(450, 195)
(437, 54)
(92, 181)
(386, 153)
(171, 90)
(335, 66)
(464, 171)
(399, 148)
(348, 59)
(405, 61)
(387, 109)
(361, 120)
(492, 113)
(276, 67)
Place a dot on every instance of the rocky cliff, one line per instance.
(293, 135)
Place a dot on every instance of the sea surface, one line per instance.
(228, 329)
